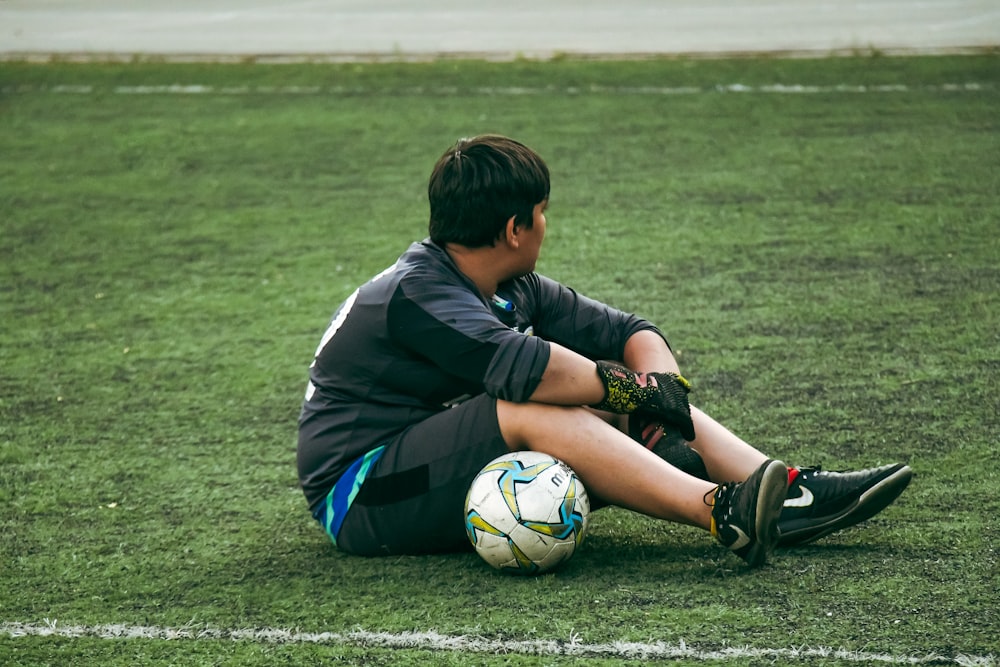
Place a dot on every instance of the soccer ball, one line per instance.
(526, 512)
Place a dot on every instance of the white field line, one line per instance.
(432, 641)
(780, 89)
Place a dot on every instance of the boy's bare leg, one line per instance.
(727, 457)
(612, 466)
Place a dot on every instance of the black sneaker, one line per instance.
(821, 502)
(745, 514)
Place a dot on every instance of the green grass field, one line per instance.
(825, 260)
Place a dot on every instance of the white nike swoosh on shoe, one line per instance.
(804, 500)
(741, 541)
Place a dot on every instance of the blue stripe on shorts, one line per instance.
(333, 509)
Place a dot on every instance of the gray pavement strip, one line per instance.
(396, 29)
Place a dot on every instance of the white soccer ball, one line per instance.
(526, 512)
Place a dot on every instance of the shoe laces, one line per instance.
(814, 471)
(719, 500)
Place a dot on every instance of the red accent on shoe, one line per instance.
(793, 473)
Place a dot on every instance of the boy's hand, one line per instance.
(660, 395)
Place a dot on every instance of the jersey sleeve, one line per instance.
(456, 331)
(584, 325)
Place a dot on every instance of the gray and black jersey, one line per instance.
(419, 338)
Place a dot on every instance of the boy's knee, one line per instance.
(523, 423)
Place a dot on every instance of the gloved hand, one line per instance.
(666, 442)
(662, 396)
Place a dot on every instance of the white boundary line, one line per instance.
(434, 641)
(444, 91)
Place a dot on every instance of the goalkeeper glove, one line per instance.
(659, 395)
(666, 442)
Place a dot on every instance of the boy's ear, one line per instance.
(510, 233)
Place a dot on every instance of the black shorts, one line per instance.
(413, 499)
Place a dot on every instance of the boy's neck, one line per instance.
(483, 266)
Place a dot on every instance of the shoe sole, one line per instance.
(770, 499)
(869, 503)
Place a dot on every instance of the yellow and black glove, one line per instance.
(659, 395)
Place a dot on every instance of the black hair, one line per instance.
(478, 184)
